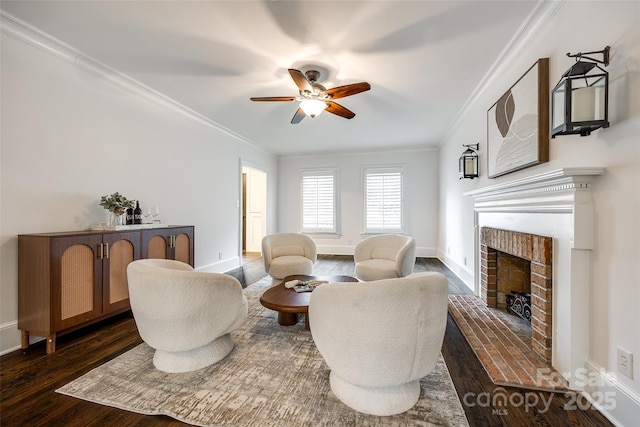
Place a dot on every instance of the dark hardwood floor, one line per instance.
(28, 380)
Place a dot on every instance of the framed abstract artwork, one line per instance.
(518, 124)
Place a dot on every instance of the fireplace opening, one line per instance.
(513, 278)
(516, 276)
(513, 285)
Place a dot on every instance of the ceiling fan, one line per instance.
(315, 98)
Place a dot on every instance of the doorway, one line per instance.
(254, 212)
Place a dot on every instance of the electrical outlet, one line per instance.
(219, 255)
(625, 363)
(465, 260)
(449, 249)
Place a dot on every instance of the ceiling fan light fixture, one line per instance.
(313, 107)
(315, 98)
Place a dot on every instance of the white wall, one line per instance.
(615, 286)
(420, 190)
(70, 135)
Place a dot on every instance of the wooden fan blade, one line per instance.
(275, 98)
(300, 80)
(339, 110)
(298, 116)
(347, 90)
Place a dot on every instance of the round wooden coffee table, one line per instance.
(289, 303)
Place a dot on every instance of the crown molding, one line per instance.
(26, 33)
(372, 151)
(539, 17)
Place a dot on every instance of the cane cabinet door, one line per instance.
(120, 249)
(169, 243)
(76, 280)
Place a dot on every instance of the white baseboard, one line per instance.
(221, 266)
(459, 270)
(335, 249)
(426, 252)
(614, 399)
(10, 337)
(349, 249)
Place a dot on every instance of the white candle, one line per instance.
(583, 104)
(469, 167)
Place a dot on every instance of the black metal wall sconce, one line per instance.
(468, 162)
(580, 100)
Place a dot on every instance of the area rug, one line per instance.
(503, 349)
(273, 377)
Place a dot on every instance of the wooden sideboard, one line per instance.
(70, 280)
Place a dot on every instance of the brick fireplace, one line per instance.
(537, 252)
(547, 219)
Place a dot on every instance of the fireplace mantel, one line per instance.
(562, 191)
(546, 192)
(556, 204)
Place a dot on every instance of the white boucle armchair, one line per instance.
(379, 338)
(286, 254)
(385, 256)
(185, 315)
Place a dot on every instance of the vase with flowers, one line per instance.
(117, 205)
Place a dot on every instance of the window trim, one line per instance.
(333, 172)
(366, 170)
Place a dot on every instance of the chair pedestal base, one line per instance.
(192, 360)
(380, 401)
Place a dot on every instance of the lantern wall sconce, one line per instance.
(468, 162)
(580, 100)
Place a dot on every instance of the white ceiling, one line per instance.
(423, 60)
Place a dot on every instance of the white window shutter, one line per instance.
(318, 202)
(383, 200)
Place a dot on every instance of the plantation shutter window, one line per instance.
(318, 201)
(383, 200)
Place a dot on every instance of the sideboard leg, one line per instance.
(25, 340)
(51, 343)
